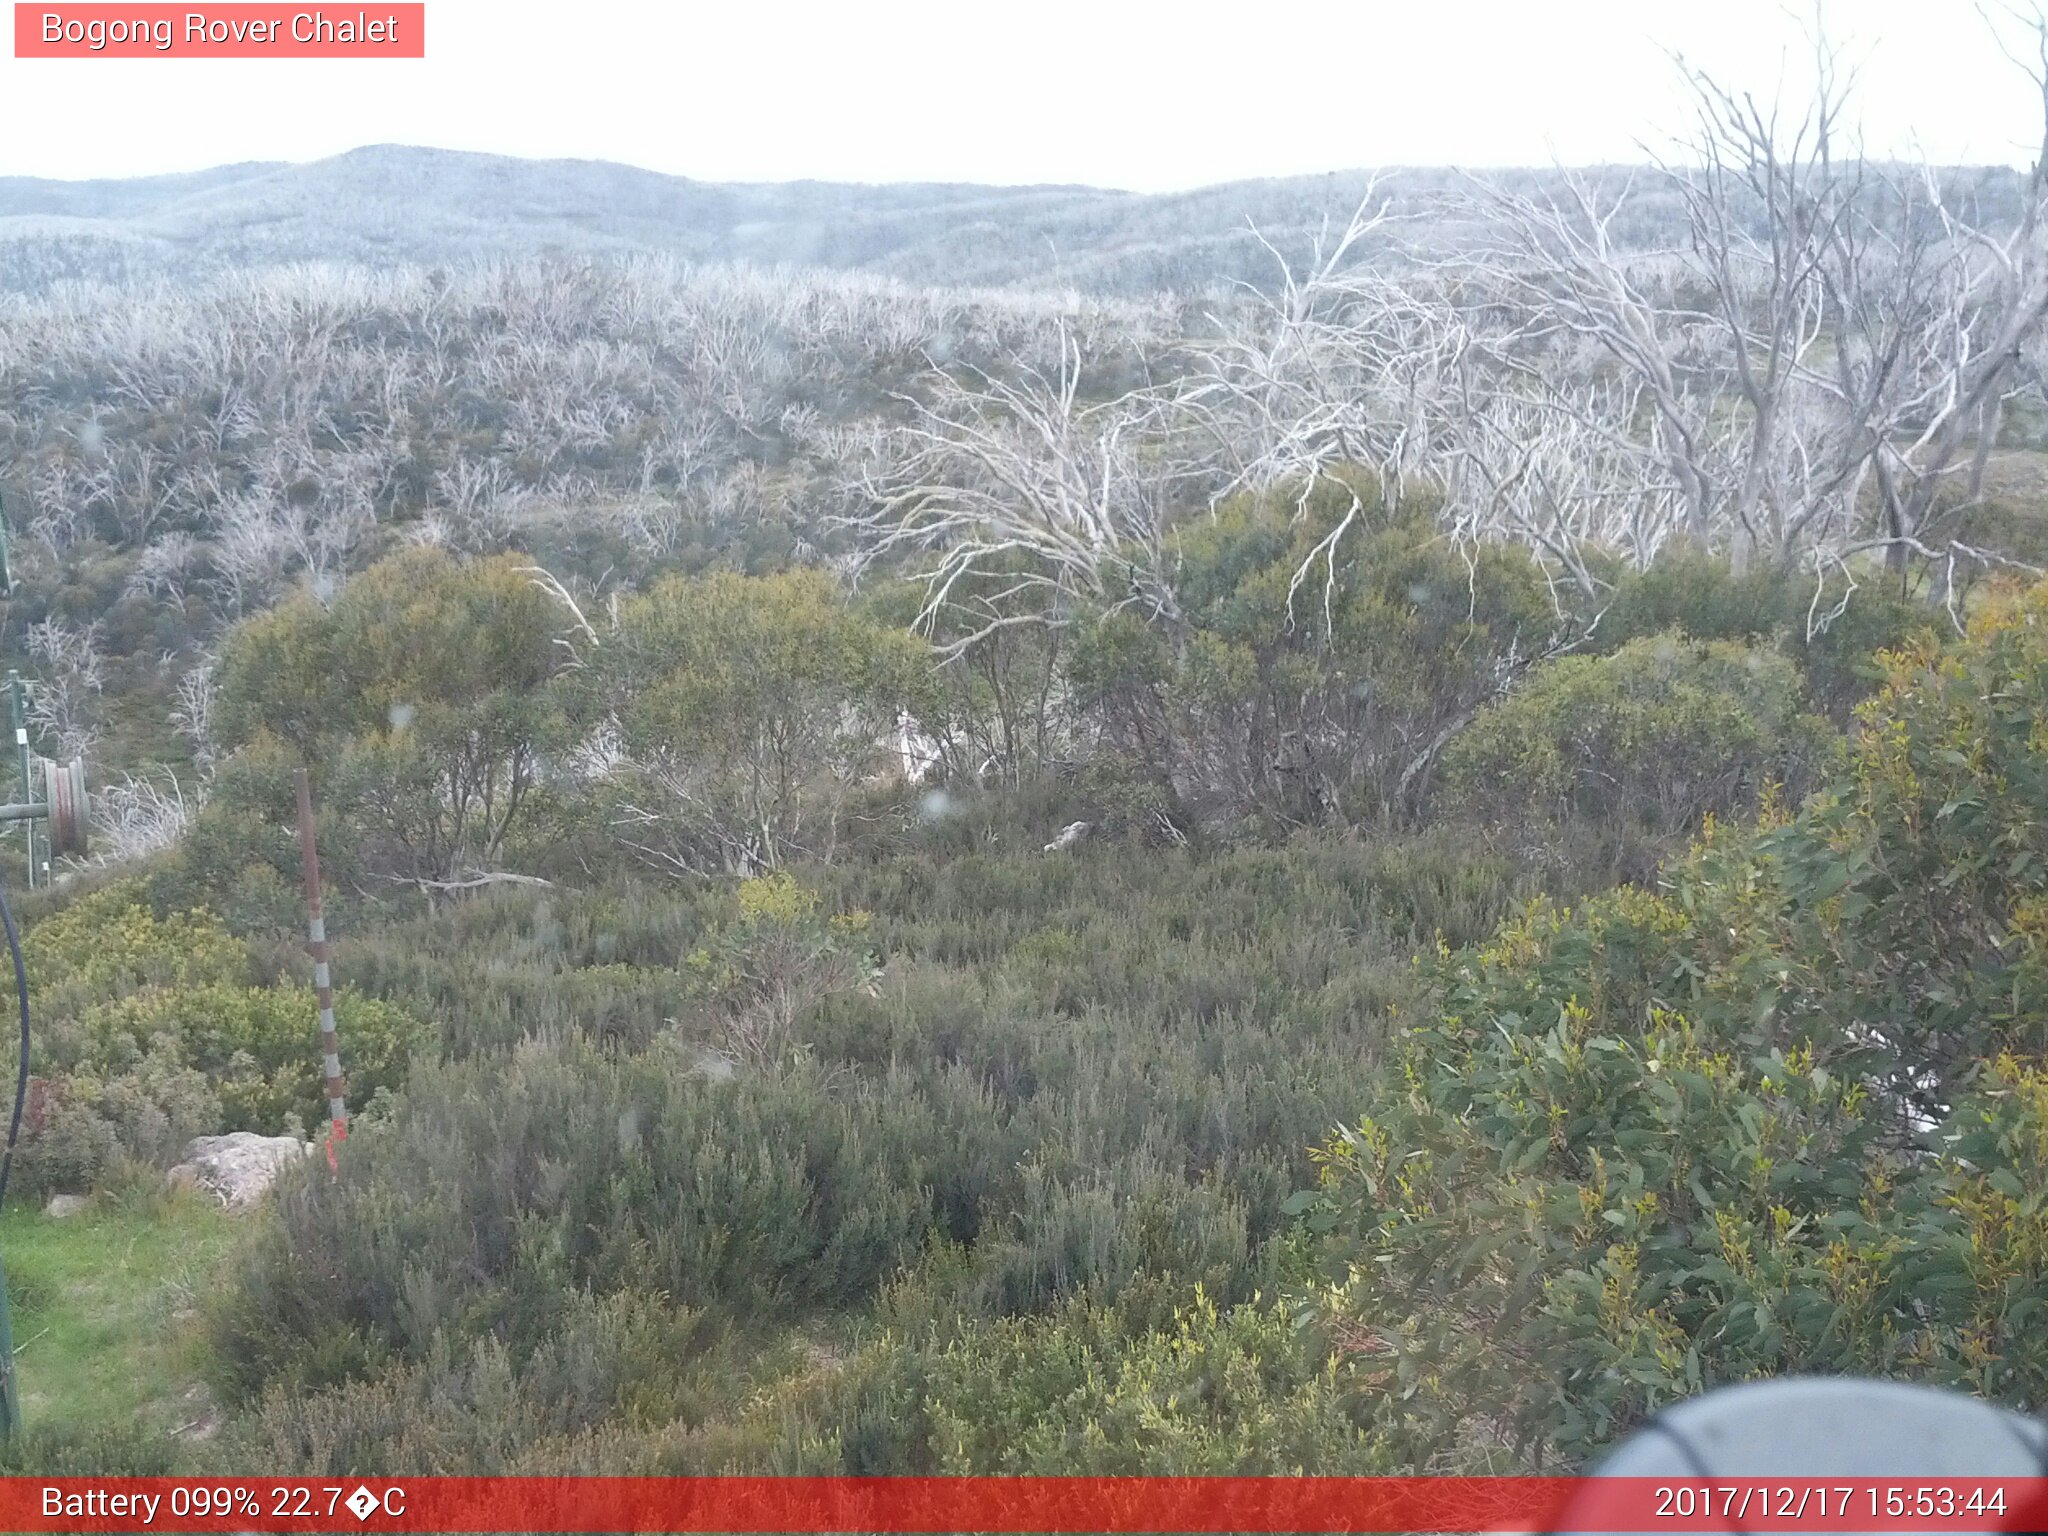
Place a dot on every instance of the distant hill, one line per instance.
(397, 205)
(392, 204)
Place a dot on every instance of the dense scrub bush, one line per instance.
(108, 944)
(502, 1186)
(1788, 1113)
(494, 1195)
(747, 711)
(110, 1450)
(1834, 635)
(1088, 1076)
(256, 1046)
(496, 969)
(631, 1385)
(1083, 1391)
(151, 1031)
(1697, 593)
(1314, 679)
(773, 958)
(1637, 747)
(419, 696)
(587, 1397)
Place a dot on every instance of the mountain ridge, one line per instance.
(388, 203)
(383, 205)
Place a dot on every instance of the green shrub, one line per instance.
(1639, 747)
(1834, 634)
(1313, 678)
(258, 1046)
(83, 1124)
(499, 1187)
(109, 945)
(419, 697)
(149, 1032)
(1211, 1391)
(748, 708)
(775, 956)
(1787, 1114)
(1094, 1075)
(1698, 594)
(583, 1399)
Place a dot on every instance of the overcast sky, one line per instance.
(1128, 93)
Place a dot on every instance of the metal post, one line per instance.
(323, 981)
(17, 708)
(10, 1399)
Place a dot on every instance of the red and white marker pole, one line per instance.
(323, 979)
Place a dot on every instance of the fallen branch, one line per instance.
(489, 877)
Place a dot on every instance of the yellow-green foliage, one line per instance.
(1694, 592)
(751, 706)
(421, 631)
(1211, 1391)
(1789, 1113)
(1644, 743)
(258, 1046)
(419, 697)
(108, 945)
(1312, 673)
(775, 957)
(151, 1030)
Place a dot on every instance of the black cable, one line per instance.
(21, 1078)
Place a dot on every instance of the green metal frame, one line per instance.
(17, 710)
(17, 698)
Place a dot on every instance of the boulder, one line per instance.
(61, 1206)
(239, 1166)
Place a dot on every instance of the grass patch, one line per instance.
(105, 1305)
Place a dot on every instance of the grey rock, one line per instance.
(239, 1167)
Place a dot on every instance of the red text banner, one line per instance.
(223, 31)
(1021, 1504)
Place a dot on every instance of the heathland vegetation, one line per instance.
(1387, 873)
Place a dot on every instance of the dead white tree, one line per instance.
(1019, 494)
(139, 817)
(1551, 475)
(1341, 364)
(1374, 356)
(1824, 361)
(164, 568)
(255, 545)
(192, 717)
(64, 704)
